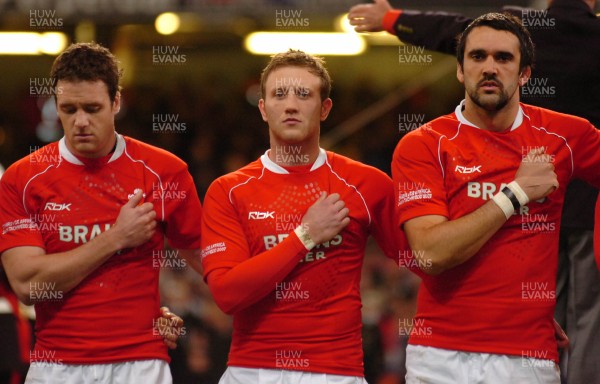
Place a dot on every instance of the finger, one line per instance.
(537, 151)
(164, 311)
(532, 156)
(345, 222)
(544, 158)
(171, 345)
(357, 10)
(179, 323)
(339, 205)
(149, 215)
(558, 330)
(333, 198)
(343, 213)
(135, 199)
(146, 207)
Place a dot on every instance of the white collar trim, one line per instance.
(71, 158)
(461, 118)
(275, 168)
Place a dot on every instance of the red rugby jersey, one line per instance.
(502, 299)
(306, 317)
(597, 233)
(57, 201)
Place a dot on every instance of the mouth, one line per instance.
(83, 136)
(291, 121)
(489, 85)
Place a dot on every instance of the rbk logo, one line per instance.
(260, 215)
(463, 169)
(57, 207)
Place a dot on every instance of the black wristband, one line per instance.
(512, 197)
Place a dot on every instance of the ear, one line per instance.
(261, 108)
(117, 103)
(524, 75)
(325, 108)
(460, 75)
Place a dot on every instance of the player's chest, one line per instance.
(475, 170)
(270, 213)
(279, 205)
(77, 206)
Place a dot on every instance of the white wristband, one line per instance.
(519, 192)
(504, 203)
(304, 237)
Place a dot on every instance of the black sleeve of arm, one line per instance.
(436, 31)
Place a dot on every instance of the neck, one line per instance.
(496, 121)
(291, 155)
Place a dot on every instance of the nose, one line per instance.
(489, 66)
(81, 119)
(291, 103)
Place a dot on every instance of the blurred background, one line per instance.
(190, 86)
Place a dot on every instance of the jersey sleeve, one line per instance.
(418, 177)
(419, 187)
(18, 226)
(586, 153)
(387, 234)
(182, 211)
(435, 31)
(236, 278)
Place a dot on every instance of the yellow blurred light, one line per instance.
(52, 43)
(342, 24)
(167, 23)
(320, 43)
(32, 43)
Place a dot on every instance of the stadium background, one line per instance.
(194, 93)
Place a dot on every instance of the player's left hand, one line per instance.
(170, 327)
(561, 337)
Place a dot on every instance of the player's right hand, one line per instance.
(326, 217)
(369, 17)
(536, 174)
(135, 223)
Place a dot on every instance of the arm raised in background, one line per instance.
(435, 31)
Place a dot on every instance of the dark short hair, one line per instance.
(88, 62)
(295, 58)
(500, 22)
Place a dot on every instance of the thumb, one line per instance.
(537, 151)
(531, 155)
(135, 199)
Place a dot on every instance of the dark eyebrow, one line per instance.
(478, 51)
(70, 104)
(481, 51)
(505, 54)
